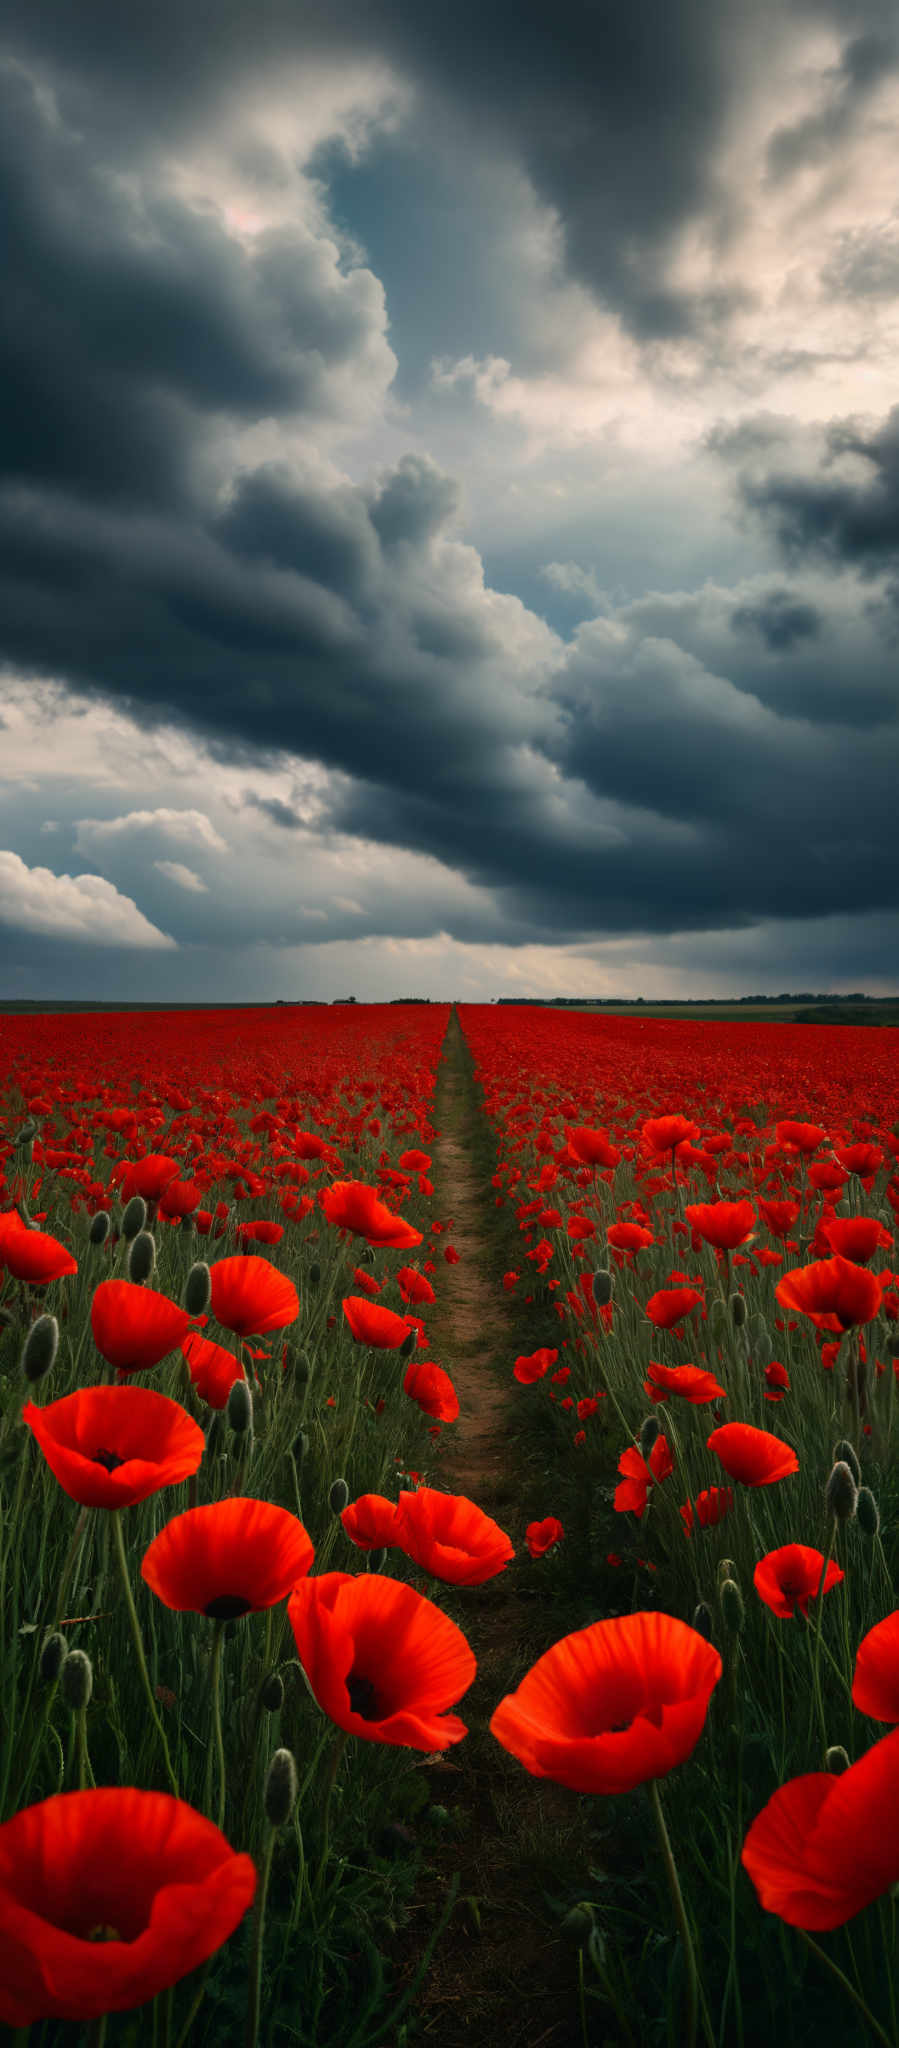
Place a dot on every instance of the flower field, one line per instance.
(239, 1600)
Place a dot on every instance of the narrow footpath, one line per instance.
(501, 1974)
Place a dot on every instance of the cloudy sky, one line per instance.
(449, 498)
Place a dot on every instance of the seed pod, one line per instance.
(142, 1257)
(53, 1656)
(339, 1496)
(867, 1512)
(738, 1311)
(702, 1620)
(197, 1291)
(240, 1409)
(281, 1788)
(409, 1344)
(602, 1287)
(100, 1227)
(836, 1759)
(134, 1217)
(40, 1348)
(650, 1430)
(845, 1453)
(732, 1608)
(272, 1693)
(841, 1492)
(77, 1680)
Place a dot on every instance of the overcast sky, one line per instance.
(449, 498)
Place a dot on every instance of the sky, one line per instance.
(449, 499)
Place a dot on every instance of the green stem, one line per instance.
(877, 2030)
(256, 1945)
(216, 1684)
(336, 1754)
(817, 1700)
(139, 1646)
(680, 1914)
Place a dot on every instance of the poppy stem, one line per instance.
(216, 1689)
(819, 1617)
(256, 1948)
(336, 1754)
(680, 1914)
(877, 2030)
(139, 1646)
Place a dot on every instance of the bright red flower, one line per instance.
(107, 1897)
(369, 1521)
(413, 1286)
(725, 1224)
(541, 1536)
(149, 1177)
(352, 1205)
(112, 1446)
(777, 1381)
(834, 1293)
(670, 1304)
(875, 1687)
(593, 1148)
(264, 1231)
(790, 1577)
(663, 1133)
(250, 1295)
(367, 1282)
(690, 1381)
(179, 1198)
(612, 1705)
(629, 1237)
(855, 1237)
(32, 1255)
(865, 1160)
(712, 1504)
(373, 1324)
(432, 1388)
(533, 1367)
(798, 1137)
(752, 1455)
(449, 1536)
(779, 1217)
(134, 1327)
(212, 1367)
(382, 1662)
(415, 1162)
(639, 1475)
(235, 1557)
(824, 1847)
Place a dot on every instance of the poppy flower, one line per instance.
(352, 1205)
(690, 1381)
(413, 1286)
(383, 1663)
(864, 1160)
(540, 1536)
(752, 1455)
(629, 1237)
(235, 1557)
(855, 1237)
(779, 1217)
(670, 1304)
(593, 1148)
(250, 1296)
(179, 1198)
(639, 1474)
(134, 1327)
(712, 1504)
(790, 1577)
(433, 1390)
(32, 1255)
(533, 1367)
(799, 1137)
(264, 1231)
(723, 1224)
(212, 1367)
(612, 1705)
(824, 1847)
(777, 1381)
(664, 1133)
(369, 1521)
(366, 1281)
(875, 1687)
(449, 1536)
(149, 1177)
(107, 1897)
(373, 1324)
(834, 1293)
(112, 1446)
(415, 1162)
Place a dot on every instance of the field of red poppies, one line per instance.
(229, 1573)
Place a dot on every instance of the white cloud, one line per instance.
(349, 904)
(189, 828)
(175, 871)
(79, 907)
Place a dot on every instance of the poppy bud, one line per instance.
(409, 1344)
(650, 1429)
(760, 1340)
(41, 1345)
(281, 1788)
(726, 1570)
(867, 1512)
(841, 1492)
(718, 1317)
(732, 1608)
(367, 1255)
(197, 1292)
(602, 1287)
(377, 1559)
(134, 1217)
(314, 1274)
(578, 1923)
(272, 1693)
(187, 1226)
(738, 1311)
(702, 1621)
(100, 1226)
(240, 1409)
(299, 1447)
(26, 1135)
(844, 1453)
(836, 1759)
(53, 1656)
(339, 1497)
(297, 1363)
(77, 1680)
(142, 1257)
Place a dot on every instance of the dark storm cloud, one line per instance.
(780, 618)
(864, 63)
(813, 509)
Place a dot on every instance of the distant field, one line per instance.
(886, 1012)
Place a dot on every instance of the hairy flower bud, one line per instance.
(409, 1344)
(732, 1607)
(602, 1286)
(726, 1570)
(650, 1430)
(26, 1135)
(272, 1693)
(299, 1447)
(281, 1788)
(702, 1620)
(759, 1337)
(142, 1257)
(844, 1453)
(867, 1512)
(197, 1291)
(738, 1311)
(841, 1492)
(314, 1274)
(134, 1217)
(40, 1348)
(836, 1759)
(296, 1363)
(377, 1559)
(240, 1408)
(718, 1317)
(100, 1227)
(367, 1255)
(77, 1680)
(53, 1656)
(339, 1496)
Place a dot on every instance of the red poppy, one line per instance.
(826, 1176)
(179, 1198)
(712, 1504)
(664, 1133)
(415, 1162)
(107, 1897)
(779, 1217)
(264, 1231)
(250, 1296)
(373, 1324)
(366, 1281)
(629, 1237)
(799, 1137)
(612, 1705)
(864, 1160)
(212, 1367)
(670, 1304)
(413, 1286)
(533, 1367)
(112, 1446)
(824, 1847)
(593, 1148)
(752, 1455)
(450, 1537)
(639, 1475)
(777, 1381)
(353, 1205)
(541, 1536)
(369, 1521)
(689, 1381)
(855, 1237)
(381, 1661)
(433, 1390)
(790, 1577)
(149, 1177)
(834, 1293)
(875, 1687)
(723, 1224)
(134, 1327)
(32, 1255)
(232, 1558)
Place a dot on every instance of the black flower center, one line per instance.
(227, 1606)
(103, 1932)
(110, 1460)
(363, 1697)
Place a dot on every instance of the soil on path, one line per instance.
(501, 1973)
